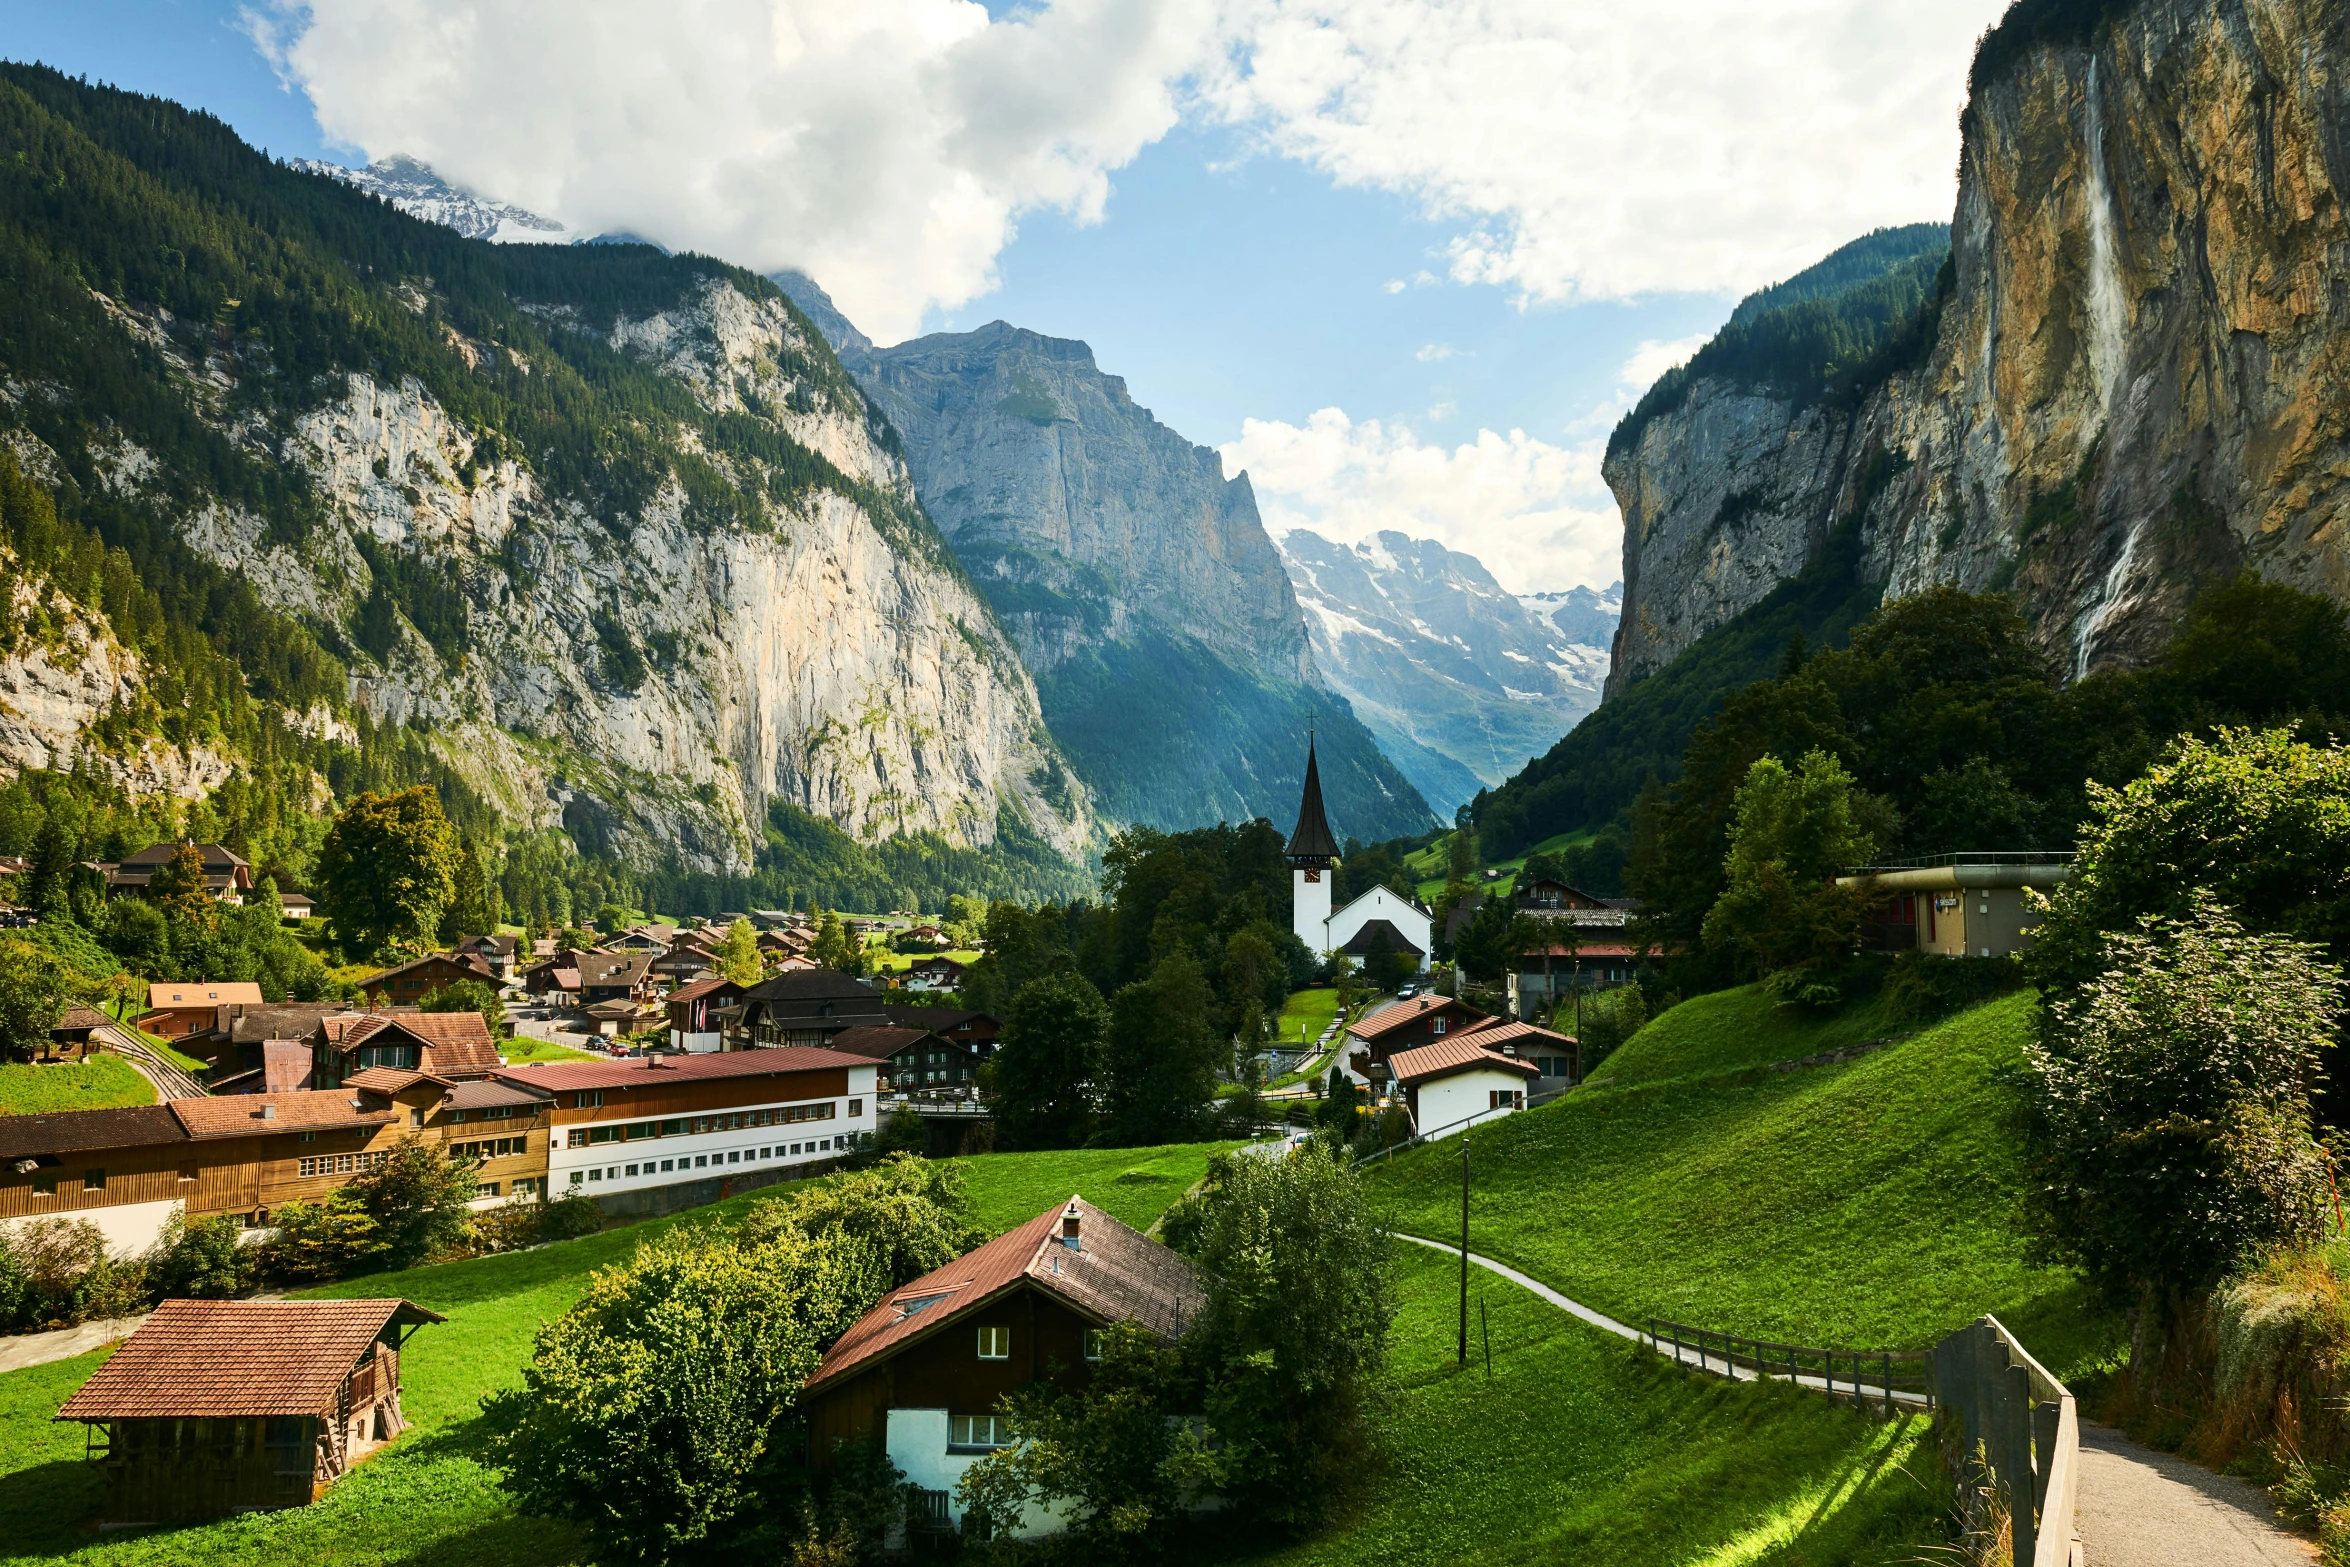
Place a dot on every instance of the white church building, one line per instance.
(1357, 928)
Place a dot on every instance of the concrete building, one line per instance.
(1958, 905)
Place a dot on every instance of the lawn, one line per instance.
(428, 1501)
(1577, 1448)
(101, 1083)
(1732, 1029)
(884, 961)
(522, 1048)
(1864, 1205)
(1430, 864)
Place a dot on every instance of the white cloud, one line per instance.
(1393, 285)
(888, 148)
(1653, 358)
(1606, 151)
(1429, 353)
(1537, 515)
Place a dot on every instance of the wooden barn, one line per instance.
(235, 1406)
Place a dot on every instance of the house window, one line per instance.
(995, 1343)
(983, 1431)
(44, 1185)
(1440, 1024)
(1093, 1343)
(93, 1180)
(591, 1100)
(577, 1177)
(856, 1107)
(527, 1186)
(187, 1172)
(1505, 1099)
(309, 1137)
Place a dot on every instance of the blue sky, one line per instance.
(1401, 285)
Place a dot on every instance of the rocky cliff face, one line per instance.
(2137, 376)
(1167, 643)
(1460, 681)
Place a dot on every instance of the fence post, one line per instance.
(1888, 1384)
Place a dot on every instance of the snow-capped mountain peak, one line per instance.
(417, 190)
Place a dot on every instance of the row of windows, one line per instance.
(490, 1148)
(613, 1172)
(93, 1180)
(491, 1113)
(343, 1163)
(686, 1126)
(996, 1343)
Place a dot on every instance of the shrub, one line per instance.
(203, 1259)
(321, 1240)
(1291, 1347)
(1920, 987)
(570, 1216)
(651, 1410)
(911, 1214)
(2167, 1107)
(420, 1202)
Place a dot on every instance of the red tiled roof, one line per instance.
(1447, 1056)
(457, 1043)
(659, 1071)
(1413, 1011)
(1495, 1034)
(1117, 1274)
(195, 1358)
(482, 1092)
(241, 1116)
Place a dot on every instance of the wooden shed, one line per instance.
(232, 1406)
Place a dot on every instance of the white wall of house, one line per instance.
(695, 1044)
(917, 1441)
(638, 1163)
(1464, 1099)
(1379, 904)
(130, 1228)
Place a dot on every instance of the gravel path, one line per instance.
(2140, 1508)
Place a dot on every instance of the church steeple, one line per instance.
(1312, 845)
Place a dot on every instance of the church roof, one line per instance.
(1312, 840)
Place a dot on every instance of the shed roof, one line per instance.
(1444, 1058)
(1115, 1274)
(195, 1358)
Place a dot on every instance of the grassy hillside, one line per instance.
(1863, 1205)
(1575, 1449)
(101, 1084)
(429, 1500)
(1733, 1029)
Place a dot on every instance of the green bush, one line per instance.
(570, 1216)
(1921, 987)
(321, 1240)
(420, 1201)
(203, 1259)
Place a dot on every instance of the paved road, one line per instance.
(2140, 1508)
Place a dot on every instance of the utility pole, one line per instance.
(1464, 1345)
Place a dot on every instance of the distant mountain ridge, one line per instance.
(1169, 648)
(418, 190)
(1461, 681)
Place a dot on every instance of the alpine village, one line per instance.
(635, 929)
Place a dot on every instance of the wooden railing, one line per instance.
(1890, 1379)
(2022, 1437)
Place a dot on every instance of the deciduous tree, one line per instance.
(1163, 1053)
(1049, 1063)
(388, 868)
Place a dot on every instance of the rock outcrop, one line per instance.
(1168, 646)
(1460, 681)
(2137, 380)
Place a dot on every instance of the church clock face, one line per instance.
(1313, 875)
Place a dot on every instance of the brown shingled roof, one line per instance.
(391, 1079)
(240, 1116)
(1116, 1274)
(875, 1041)
(1409, 1012)
(85, 1131)
(197, 1358)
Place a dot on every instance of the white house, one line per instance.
(1455, 1083)
(1359, 928)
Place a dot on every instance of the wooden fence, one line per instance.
(2021, 1437)
(1887, 1379)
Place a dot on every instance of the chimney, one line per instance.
(266, 1113)
(1069, 1226)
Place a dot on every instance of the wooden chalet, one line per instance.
(236, 1039)
(804, 1007)
(226, 873)
(554, 974)
(499, 953)
(694, 1012)
(958, 1024)
(449, 1045)
(411, 982)
(936, 973)
(913, 1060)
(926, 1370)
(178, 1008)
(234, 1406)
(1372, 1040)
